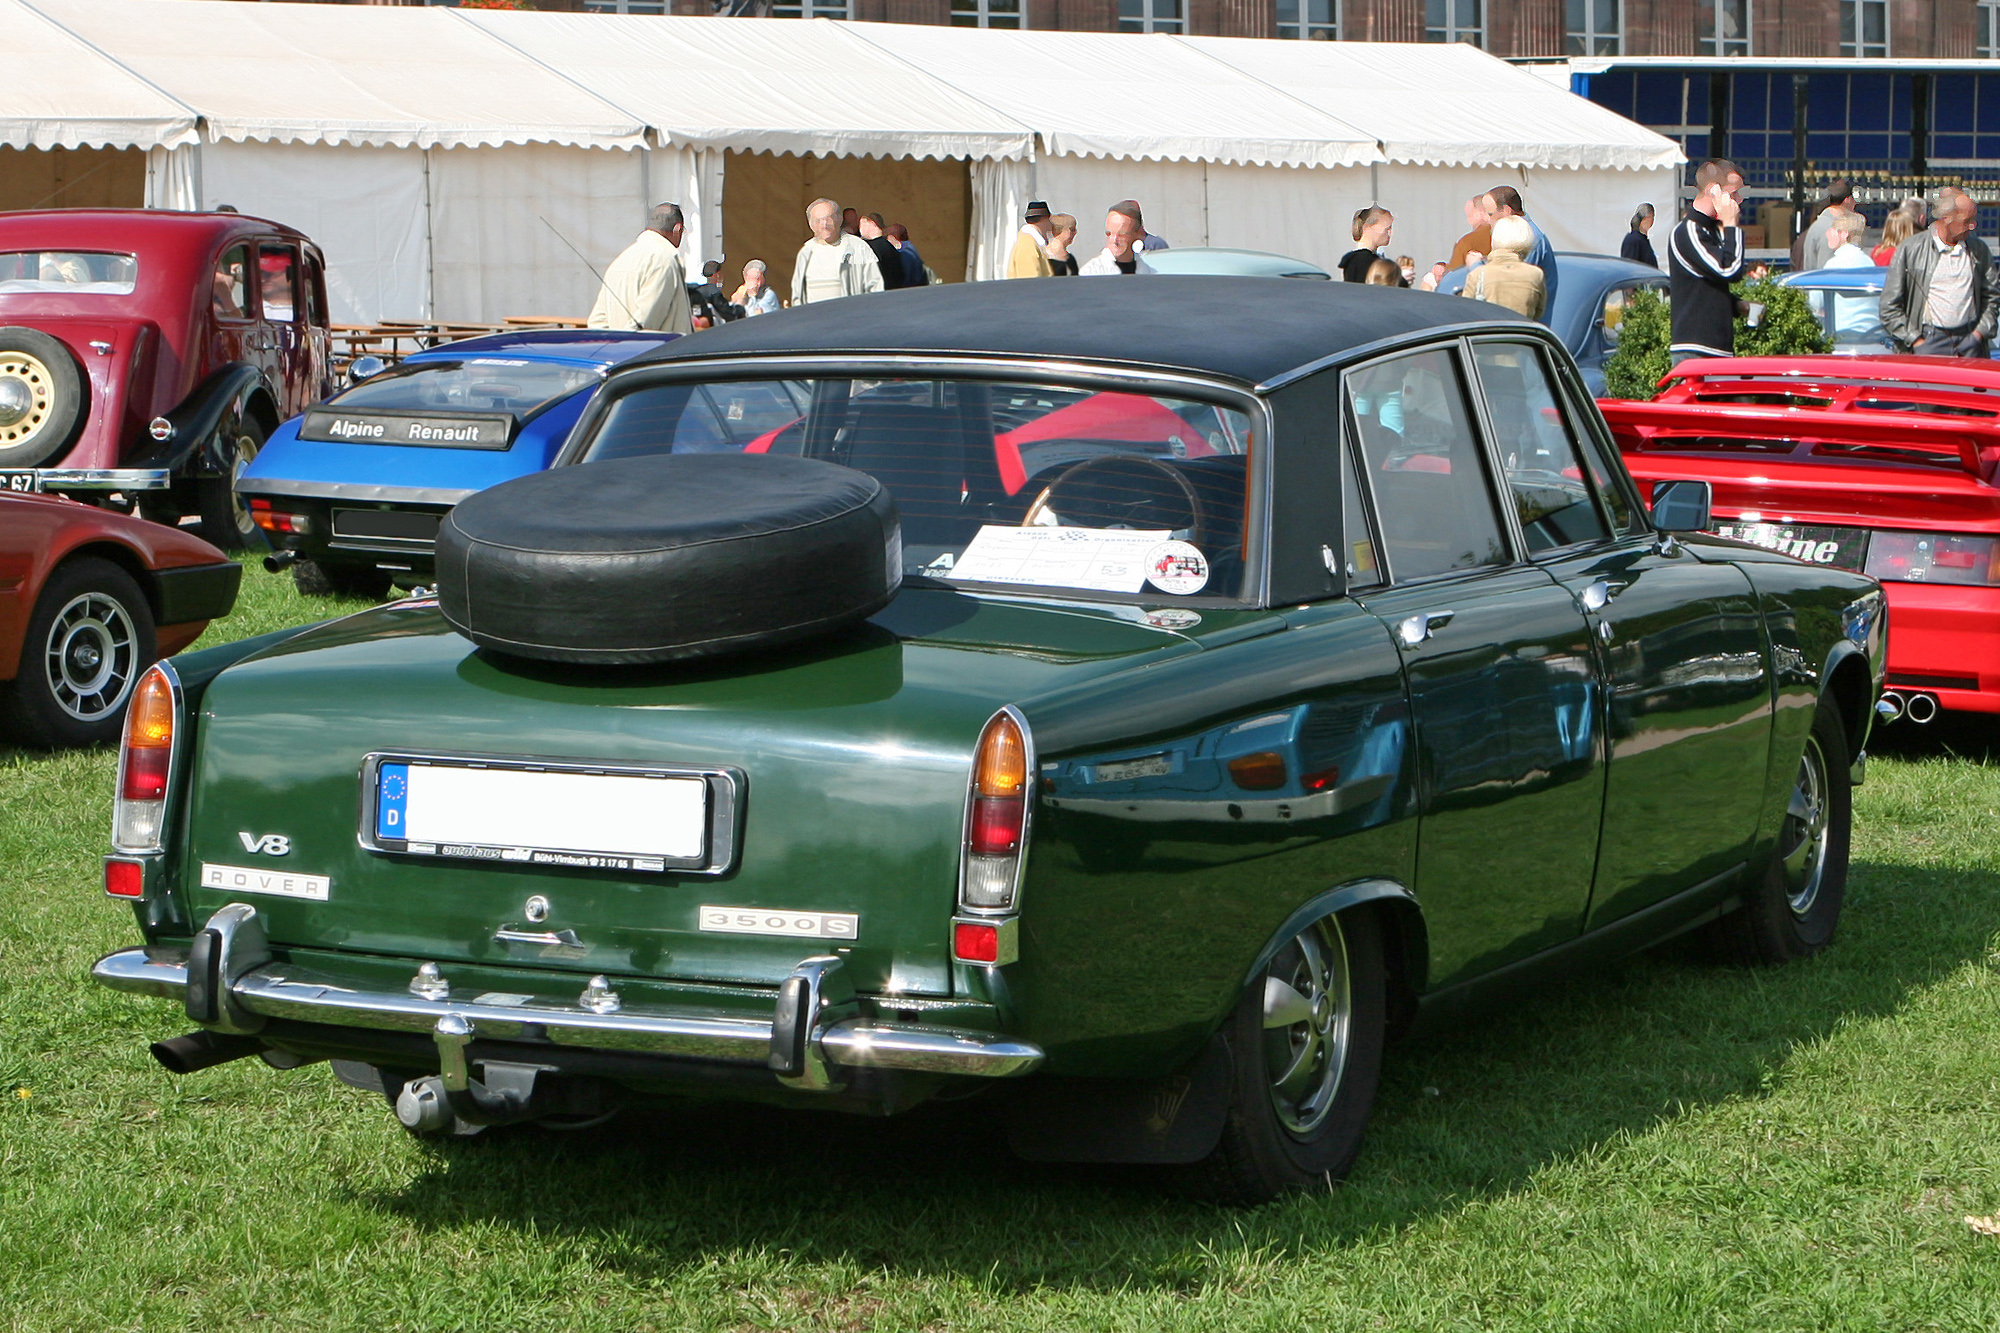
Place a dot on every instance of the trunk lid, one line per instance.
(853, 754)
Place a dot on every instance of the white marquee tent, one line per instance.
(470, 164)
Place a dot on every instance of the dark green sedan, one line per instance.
(1126, 702)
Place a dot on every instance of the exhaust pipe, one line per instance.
(1921, 708)
(278, 561)
(1891, 706)
(203, 1049)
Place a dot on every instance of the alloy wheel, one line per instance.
(91, 656)
(1308, 1013)
(1803, 840)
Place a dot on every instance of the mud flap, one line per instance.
(1164, 1121)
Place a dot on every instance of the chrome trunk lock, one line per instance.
(429, 984)
(815, 996)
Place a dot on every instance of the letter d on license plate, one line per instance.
(764, 921)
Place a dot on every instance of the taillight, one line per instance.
(996, 814)
(1934, 557)
(124, 879)
(1263, 771)
(278, 520)
(145, 762)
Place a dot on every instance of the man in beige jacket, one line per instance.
(1506, 278)
(1030, 256)
(832, 263)
(646, 287)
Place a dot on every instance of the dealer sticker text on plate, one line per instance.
(250, 879)
(765, 921)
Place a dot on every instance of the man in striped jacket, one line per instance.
(1705, 255)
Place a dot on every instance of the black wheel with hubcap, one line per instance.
(325, 578)
(90, 637)
(41, 398)
(1795, 905)
(225, 515)
(1305, 1044)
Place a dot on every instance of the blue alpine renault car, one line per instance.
(350, 494)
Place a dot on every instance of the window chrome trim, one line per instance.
(1217, 390)
(1557, 389)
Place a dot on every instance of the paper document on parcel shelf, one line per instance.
(1101, 559)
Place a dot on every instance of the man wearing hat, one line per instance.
(1030, 259)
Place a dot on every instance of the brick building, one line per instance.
(1946, 29)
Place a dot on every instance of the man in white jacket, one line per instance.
(646, 286)
(1123, 233)
(832, 263)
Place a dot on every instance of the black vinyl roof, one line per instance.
(1248, 329)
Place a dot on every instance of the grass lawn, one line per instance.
(1673, 1146)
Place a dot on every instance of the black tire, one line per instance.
(1795, 905)
(225, 515)
(660, 559)
(319, 578)
(1274, 1142)
(42, 399)
(90, 637)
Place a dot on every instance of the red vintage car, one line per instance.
(89, 599)
(1885, 464)
(145, 356)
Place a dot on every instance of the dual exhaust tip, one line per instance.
(1918, 708)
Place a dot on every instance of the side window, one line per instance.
(1545, 470)
(278, 281)
(1425, 465)
(315, 285)
(1613, 316)
(230, 296)
(1363, 569)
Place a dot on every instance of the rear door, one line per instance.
(284, 346)
(1501, 674)
(1680, 642)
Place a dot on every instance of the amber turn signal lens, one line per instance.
(149, 725)
(1263, 771)
(1002, 767)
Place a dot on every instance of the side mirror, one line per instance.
(365, 368)
(1680, 506)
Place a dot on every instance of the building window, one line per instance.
(1722, 27)
(1595, 27)
(1455, 21)
(1864, 27)
(1989, 29)
(1316, 20)
(626, 7)
(987, 13)
(1149, 15)
(809, 9)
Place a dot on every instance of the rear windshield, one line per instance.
(70, 272)
(1012, 484)
(478, 384)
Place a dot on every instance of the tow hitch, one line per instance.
(506, 1093)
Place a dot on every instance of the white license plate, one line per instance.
(542, 816)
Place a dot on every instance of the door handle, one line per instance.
(552, 939)
(1413, 630)
(1599, 594)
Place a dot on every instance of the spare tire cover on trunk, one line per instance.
(661, 558)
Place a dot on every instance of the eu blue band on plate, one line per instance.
(392, 795)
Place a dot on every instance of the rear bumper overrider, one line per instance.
(812, 1035)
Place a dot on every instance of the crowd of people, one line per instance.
(1940, 290)
(1940, 295)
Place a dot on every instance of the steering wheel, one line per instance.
(1117, 491)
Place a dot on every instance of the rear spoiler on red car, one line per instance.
(1855, 435)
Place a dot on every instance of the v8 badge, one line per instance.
(271, 844)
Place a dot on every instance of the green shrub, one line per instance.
(1788, 328)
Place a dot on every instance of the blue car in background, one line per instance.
(350, 494)
(1848, 304)
(1589, 309)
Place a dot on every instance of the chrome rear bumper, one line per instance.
(834, 1039)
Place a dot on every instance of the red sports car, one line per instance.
(90, 598)
(1885, 464)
